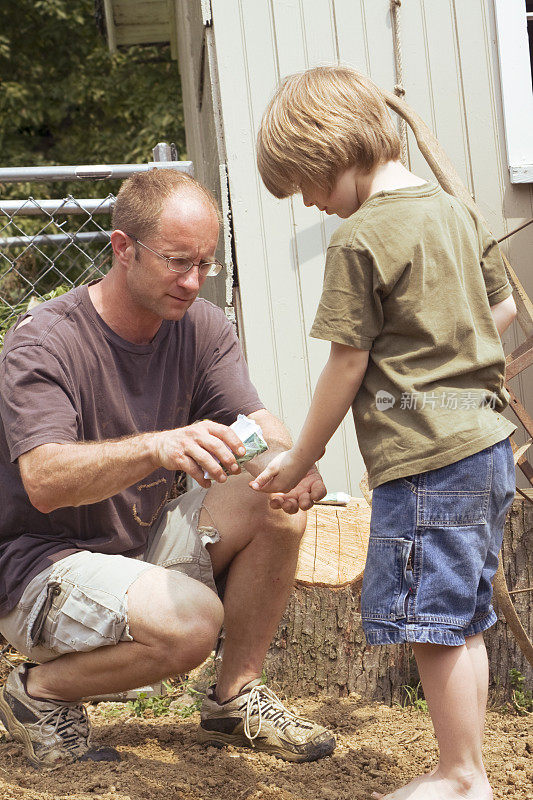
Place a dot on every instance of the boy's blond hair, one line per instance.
(141, 198)
(319, 123)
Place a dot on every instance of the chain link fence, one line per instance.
(49, 246)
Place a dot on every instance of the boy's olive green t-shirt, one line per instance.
(411, 277)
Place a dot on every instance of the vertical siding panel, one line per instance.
(351, 34)
(289, 37)
(446, 94)
(379, 37)
(249, 223)
(416, 79)
(320, 42)
(283, 279)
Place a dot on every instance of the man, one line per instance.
(104, 584)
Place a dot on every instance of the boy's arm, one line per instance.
(334, 394)
(503, 313)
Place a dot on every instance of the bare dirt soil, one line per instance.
(378, 749)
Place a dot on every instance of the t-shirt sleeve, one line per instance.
(350, 310)
(223, 388)
(494, 273)
(35, 400)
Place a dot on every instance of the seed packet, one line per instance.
(251, 435)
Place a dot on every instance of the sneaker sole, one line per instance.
(217, 739)
(19, 733)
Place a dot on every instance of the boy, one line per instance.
(415, 294)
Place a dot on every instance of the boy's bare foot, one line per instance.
(434, 786)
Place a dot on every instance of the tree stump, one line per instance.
(319, 647)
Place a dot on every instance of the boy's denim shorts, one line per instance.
(433, 550)
(81, 602)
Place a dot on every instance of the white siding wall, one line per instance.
(451, 78)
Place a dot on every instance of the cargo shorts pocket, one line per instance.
(387, 579)
(39, 612)
(457, 494)
(80, 619)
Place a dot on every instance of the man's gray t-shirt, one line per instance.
(65, 376)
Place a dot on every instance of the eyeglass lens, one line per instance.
(206, 268)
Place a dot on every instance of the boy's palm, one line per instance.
(308, 491)
(290, 483)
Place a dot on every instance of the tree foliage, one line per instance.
(64, 99)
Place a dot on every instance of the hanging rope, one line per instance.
(398, 67)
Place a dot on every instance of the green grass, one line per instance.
(521, 698)
(159, 706)
(413, 698)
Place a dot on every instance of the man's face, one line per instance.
(342, 200)
(189, 229)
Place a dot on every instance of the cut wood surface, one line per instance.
(334, 546)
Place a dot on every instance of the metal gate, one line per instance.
(50, 246)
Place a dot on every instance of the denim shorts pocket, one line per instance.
(457, 494)
(387, 579)
(82, 619)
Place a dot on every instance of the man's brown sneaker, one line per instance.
(257, 718)
(51, 732)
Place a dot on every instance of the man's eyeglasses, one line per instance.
(183, 265)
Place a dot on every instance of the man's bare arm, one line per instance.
(504, 313)
(276, 436)
(59, 475)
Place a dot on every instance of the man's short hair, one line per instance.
(142, 196)
(319, 123)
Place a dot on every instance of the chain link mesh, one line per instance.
(50, 245)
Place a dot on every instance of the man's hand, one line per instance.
(204, 447)
(307, 492)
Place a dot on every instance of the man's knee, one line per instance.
(200, 626)
(288, 528)
(290, 525)
(175, 615)
(241, 516)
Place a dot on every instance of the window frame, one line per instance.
(517, 95)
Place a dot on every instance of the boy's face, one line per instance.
(343, 200)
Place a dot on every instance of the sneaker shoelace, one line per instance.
(266, 704)
(70, 722)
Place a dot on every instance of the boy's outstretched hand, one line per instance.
(290, 482)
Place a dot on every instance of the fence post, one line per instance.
(165, 152)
